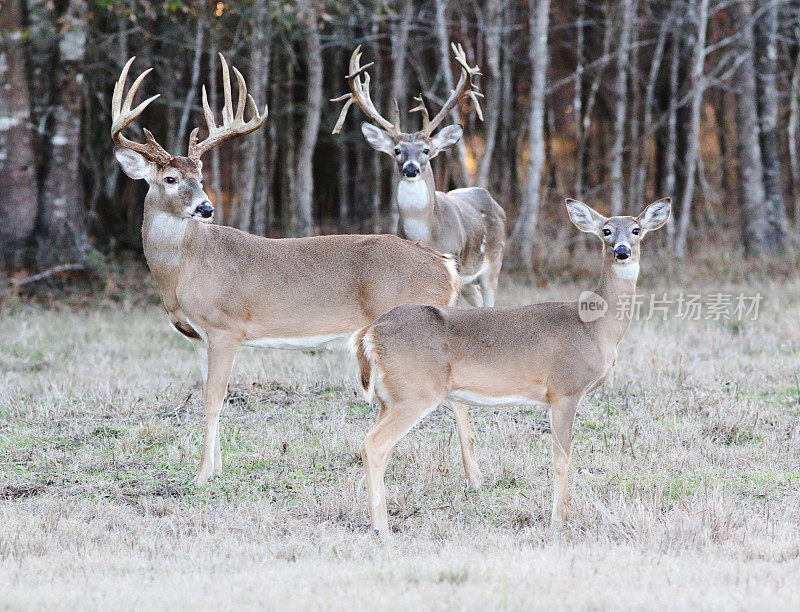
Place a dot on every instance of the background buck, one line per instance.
(223, 288)
(465, 222)
(414, 357)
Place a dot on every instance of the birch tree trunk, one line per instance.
(766, 32)
(755, 218)
(17, 164)
(303, 224)
(63, 217)
(399, 41)
(493, 92)
(794, 135)
(254, 148)
(525, 228)
(620, 106)
(697, 84)
(443, 38)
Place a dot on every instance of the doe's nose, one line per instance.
(622, 252)
(410, 171)
(205, 209)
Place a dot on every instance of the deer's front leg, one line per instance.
(562, 416)
(465, 437)
(472, 294)
(221, 352)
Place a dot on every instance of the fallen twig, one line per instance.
(18, 282)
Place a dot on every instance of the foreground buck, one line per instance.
(224, 288)
(414, 357)
(465, 222)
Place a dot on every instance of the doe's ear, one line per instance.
(655, 215)
(446, 138)
(133, 164)
(377, 138)
(585, 218)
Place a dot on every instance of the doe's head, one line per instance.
(177, 181)
(621, 235)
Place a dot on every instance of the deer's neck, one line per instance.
(617, 287)
(416, 203)
(164, 238)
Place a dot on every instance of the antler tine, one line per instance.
(233, 122)
(122, 116)
(359, 94)
(466, 87)
(422, 109)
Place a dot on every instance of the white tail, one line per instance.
(552, 352)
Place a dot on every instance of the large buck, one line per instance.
(223, 288)
(467, 223)
(413, 357)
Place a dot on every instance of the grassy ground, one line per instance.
(686, 475)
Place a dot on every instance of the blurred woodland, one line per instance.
(616, 102)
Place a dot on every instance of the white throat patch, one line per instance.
(627, 271)
(414, 229)
(166, 230)
(412, 195)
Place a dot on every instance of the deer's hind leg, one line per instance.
(489, 280)
(562, 416)
(394, 422)
(471, 294)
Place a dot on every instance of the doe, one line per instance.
(414, 356)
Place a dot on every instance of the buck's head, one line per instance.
(176, 182)
(620, 235)
(412, 152)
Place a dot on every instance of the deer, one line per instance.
(223, 288)
(467, 222)
(415, 356)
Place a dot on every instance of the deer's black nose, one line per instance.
(205, 209)
(622, 252)
(410, 171)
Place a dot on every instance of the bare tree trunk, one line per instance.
(399, 39)
(443, 39)
(344, 186)
(525, 228)
(755, 218)
(254, 149)
(671, 156)
(304, 175)
(577, 95)
(620, 106)
(699, 8)
(766, 32)
(63, 217)
(794, 135)
(180, 136)
(493, 92)
(375, 161)
(17, 164)
(216, 177)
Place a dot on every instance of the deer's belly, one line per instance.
(478, 399)
(300, 342)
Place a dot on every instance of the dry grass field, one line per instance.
(686, 474)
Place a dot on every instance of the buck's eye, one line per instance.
(397, 151)
(426, 151)
(170, 180)
(636, 231)
(606, 231)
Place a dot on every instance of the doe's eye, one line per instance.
(170, 180)
(606, 232)
(636, 231)
(426, 151)
(397, 151)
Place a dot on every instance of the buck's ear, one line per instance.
(377, 138)
(655, 215)
(585, 219)
(133, 164)
(446, 138)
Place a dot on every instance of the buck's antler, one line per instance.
(233, 123)
(466, 87)
(122, 116)
(360, 95)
